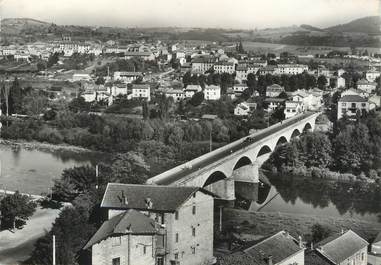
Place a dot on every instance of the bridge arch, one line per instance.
(307, 127)
(214, 177)
(264, 150)
(243, 161)
(295, 133)
(281, 140)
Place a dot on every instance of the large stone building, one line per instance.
(154, 225)
(290, 69)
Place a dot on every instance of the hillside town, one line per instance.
(151, 150)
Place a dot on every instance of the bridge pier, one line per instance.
(225, 189)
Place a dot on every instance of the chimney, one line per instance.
(300, 242)
(342, 231)
(270, 260)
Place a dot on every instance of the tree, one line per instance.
(129, 168)
(320, 232)
(197, 99)
(79, 104)
(53, 59)
(15, 210)
(316, 150)
(73, 182)
(322, 82)
(72, 230)
(34, 103)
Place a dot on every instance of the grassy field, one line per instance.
(260, 223)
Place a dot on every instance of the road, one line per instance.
(195, 166)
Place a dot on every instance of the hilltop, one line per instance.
(370, 25)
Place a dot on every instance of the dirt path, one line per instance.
(16, 247)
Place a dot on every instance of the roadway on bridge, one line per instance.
(224, 153)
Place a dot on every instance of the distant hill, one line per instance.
(14, 26)
(310, 28)
(369, 25)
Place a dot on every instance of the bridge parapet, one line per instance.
(179, 174)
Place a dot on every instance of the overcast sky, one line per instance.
(247, 14)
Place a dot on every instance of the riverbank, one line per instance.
(267, 223)
(40, 146)
(17, 246)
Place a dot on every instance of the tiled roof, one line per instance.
(352, 98)
(340, 247)
(275, 99)
(279, 246)
(128, 222)
(313, 257)
(140, 86)
(275, 87)
(163, 198)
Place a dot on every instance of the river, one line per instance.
(311, 197)
(33, 170)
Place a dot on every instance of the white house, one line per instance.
(367, 86)
(176, 94)
(376, 245)
(118, 89)
(244, 108)
(190, 90)
(141, 91)
(372, 75)
(127, 77)
(212, 92)
(293, 108)
(350, 104)
(274, 90)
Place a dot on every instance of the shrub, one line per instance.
(50, 135)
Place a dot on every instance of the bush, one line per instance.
(50, 135)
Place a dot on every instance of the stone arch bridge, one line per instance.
(238, 161)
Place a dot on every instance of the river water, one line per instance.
(311, 197)
(33, 171)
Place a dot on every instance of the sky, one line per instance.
(244, 14)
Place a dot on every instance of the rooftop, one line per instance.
(279, 246)
(352, 98)
(131, 196)
(338, 248)
(128, 222)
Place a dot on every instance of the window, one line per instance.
(144, 250)
(116, 261)
(362, 256)
(363, 105)
(353, 105)
(176, 215)
(177, 237)
(176, 255)
(193, 231)
(194, 209)
(343, 104)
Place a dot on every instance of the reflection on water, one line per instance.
(315, 197)
(33, 171)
